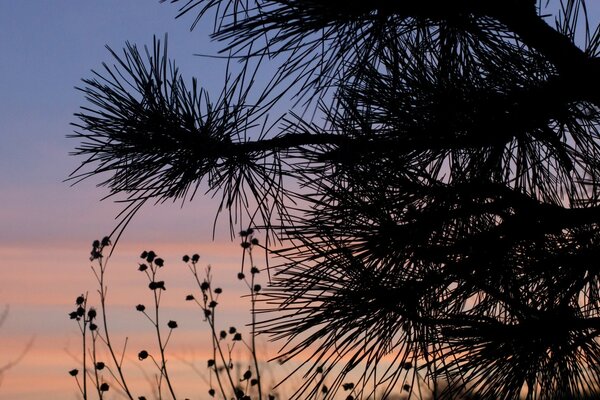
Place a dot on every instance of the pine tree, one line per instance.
(440, 209)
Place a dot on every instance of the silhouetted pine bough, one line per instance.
(441, 208)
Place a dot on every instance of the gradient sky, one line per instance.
(47, 226)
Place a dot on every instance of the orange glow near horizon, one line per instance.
(57, 277)
(42, 291)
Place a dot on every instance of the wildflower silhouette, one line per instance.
(222, 366)
(439, 212)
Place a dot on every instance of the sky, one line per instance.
(47, 226)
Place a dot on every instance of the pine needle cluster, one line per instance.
(440, 213)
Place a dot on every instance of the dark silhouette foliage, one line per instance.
(440, 211)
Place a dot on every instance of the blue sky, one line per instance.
(46, 226)
(47, 47)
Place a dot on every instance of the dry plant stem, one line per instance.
(253, 295)
(94, 361)
(80, 388)
(215, 344)
(106, 339)
(211, 322)
(84, 352)
(159, 378)
(161, 345)
(10, 364)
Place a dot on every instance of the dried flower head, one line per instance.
(157, 285)
(150, 256)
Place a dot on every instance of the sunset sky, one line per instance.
(47, 226)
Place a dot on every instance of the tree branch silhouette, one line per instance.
(438, 210)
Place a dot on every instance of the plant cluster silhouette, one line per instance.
(104, 362)
(440, 208)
